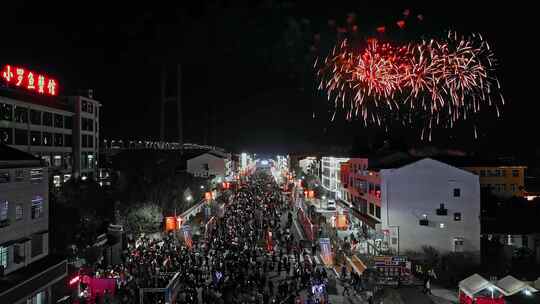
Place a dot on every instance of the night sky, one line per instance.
(247, 66)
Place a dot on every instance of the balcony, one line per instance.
(38, 275)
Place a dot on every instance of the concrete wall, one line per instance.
(216, 166)
(419, 188)
(22, 192)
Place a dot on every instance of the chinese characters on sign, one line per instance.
(29, 80)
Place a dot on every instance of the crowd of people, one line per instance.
(249, 256)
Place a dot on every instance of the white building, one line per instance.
(330, 175)
(27, 272)
(306, 163)
(428, 202)
(210, 164)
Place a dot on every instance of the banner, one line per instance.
(186, 231)
(326, 250)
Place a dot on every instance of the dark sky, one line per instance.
(247, 65)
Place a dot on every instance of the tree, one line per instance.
(143, 218)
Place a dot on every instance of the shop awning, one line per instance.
(475, 284)
(366, 219)
(511, 286)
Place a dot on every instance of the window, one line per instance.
(84, 141)
(482, 172)
(21, 137)
(497, 172)
(457, 216)
(47, 119)
(6, 112)
(442, 210)
(84, 106)
(47, 139)
(6, 136)
(66, 177)
(4, 210)
(4, 177)
(58, 121)
(57, 161)
(18, 253)
(37, 244)
(68, 122)
(371, 209)
(37, 207)
(90, 161)
(84, 160)
(394, 241)
(513, 187)
(56, 181)
(503, 187)
(36, 175)
(4, 257)
(21, 114)
(90, 141)
(515, 172)
(67, 140)
(58, 140)
(35, 138)
(503, 172)
(205, 167)
(378, 212)
(457, 192)
(19, 175)
(525, 241)
(47, 160)
(18, 212)
(35, 117)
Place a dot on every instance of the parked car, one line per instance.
(331, 204)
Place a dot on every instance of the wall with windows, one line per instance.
(206, 165)
(430, 203)
(45, 132)
(503, 181)
(24, 211)
(330, 175)
(86, 136)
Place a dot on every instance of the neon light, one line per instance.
(29, 80)
(74, 280)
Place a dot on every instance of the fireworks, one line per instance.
(441, 81)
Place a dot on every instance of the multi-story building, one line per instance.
(86, 135)
(330, 175)
(63, 131)
(502, 180)
(27, 271)
(413, 202)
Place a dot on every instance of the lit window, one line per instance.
(441, 225)
(19, 212)
(36, 175)
(37, 207)
(4, 208)
(4, 257)
(56, 180)
(57, 161)
(67, 177)
(4, 177)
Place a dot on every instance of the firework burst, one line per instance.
(440, 81)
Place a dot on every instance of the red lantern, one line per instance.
(401, 24)
(381, 29)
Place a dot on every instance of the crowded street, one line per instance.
(252, 254)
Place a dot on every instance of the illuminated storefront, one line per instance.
(35, 118)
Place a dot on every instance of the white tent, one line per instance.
(475, 284)
(511, 286)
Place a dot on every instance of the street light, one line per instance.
(202, 186)
(189, 198)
